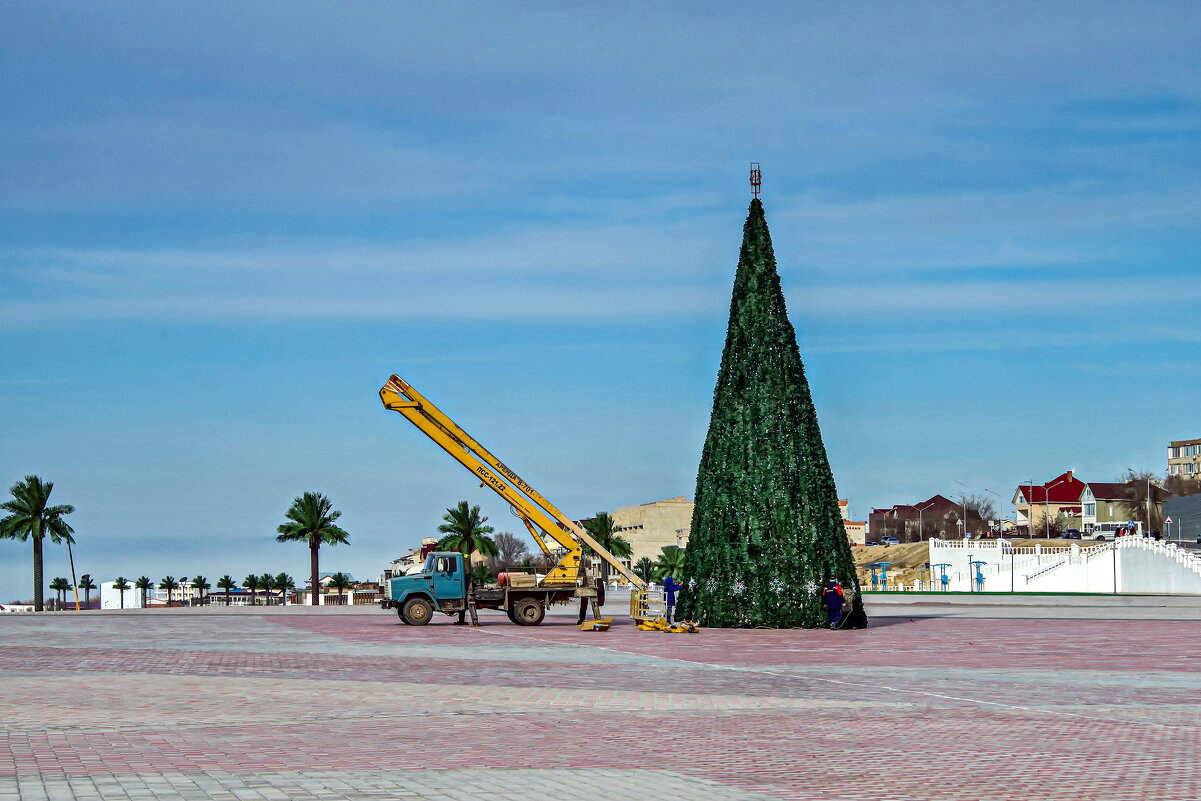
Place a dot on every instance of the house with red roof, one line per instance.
(1037, 504)
(1108, 502)
(938, 517)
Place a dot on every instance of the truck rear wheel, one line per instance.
(417, 612)
(528, 611)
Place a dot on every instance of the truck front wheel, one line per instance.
(528, 612)
(417, 612)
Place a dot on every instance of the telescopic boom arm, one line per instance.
(540, 516)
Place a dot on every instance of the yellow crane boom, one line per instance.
(539, 515)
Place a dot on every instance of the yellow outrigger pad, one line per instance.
(600, 624)
(659, 624)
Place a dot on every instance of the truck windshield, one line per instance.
(429, 564)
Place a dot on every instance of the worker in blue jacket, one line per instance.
(671, 587)
(833, 599)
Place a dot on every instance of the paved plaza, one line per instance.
(347, 703)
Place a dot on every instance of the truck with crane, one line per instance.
(443, 584)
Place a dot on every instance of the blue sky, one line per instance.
(222, 226)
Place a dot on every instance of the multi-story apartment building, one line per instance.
(1184, 458)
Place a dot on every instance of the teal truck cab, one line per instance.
(442, 585)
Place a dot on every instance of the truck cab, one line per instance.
(440, 585)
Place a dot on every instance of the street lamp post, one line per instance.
(1047, 505)
(1029, 511)
(963, 497)
(1000, 528)
(74, 583)
(920, 530)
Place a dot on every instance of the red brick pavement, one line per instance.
(946, 708)
(1054, 645)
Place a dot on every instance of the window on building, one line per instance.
(1188, 468)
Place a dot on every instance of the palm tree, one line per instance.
(87, 585)
(284, 583)
(465, 532)
(480, 574)
(645, 569)
(226, 583)
(201, 584)
(144, 584)
(169, 584)
(311, 519)
(60, 587)
(266, 584)
(340, 581)
(30, 516)
(670, 563)
(604, 530)
(121, 585)
(251, 583)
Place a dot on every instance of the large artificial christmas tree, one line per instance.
(766, 533)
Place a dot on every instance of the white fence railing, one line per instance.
(1006, 566)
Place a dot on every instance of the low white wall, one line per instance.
(1142, 565)
(111, 599)
(1005, 567)
(1145, 565)
(1087, 570)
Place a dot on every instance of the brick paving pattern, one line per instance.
(349, 704)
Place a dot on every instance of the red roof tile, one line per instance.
(1065, 488)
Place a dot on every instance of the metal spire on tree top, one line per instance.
(756, 178)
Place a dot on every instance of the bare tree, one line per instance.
(982, 505)
(1057, 525)
(1180, 485)
(1134, 501)
(511, 550)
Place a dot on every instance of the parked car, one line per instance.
(1072, 534)
(869, 542)
(890, 541)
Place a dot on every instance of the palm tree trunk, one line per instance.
(314, 544)
(38, 601)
